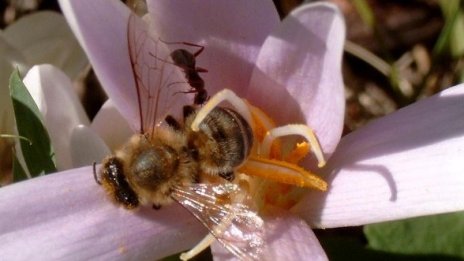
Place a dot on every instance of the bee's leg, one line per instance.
(229, 176)
(293, 129)
(187, 111)
(156, 207)
(225, 95)
(173, 123)
(205, 243)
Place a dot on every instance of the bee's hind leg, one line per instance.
(202, 245)
(225, 95)
(187, 111)
(229, 176)
(172, 122)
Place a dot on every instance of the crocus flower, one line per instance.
(404, 165)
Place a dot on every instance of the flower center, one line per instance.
(278, 180)
(275, 175)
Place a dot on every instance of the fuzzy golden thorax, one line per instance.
(155, 164)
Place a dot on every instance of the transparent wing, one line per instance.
(224, 210)
(158, 81)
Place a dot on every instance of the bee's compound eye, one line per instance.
(127, 198)
(115, 180)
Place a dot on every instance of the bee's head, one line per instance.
(113, 180)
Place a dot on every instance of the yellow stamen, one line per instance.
(298, 153)
(282, 172)
(293, 129)
(262, 122)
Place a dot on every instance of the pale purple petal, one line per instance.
(111, 126)
(101, 28)
(231, 31)
(111, 40)
(287, 238)
(66, 216)
(407, 164)
(53, 93)
(298, 77)
(87, 147)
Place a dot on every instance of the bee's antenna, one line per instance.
(95, 173)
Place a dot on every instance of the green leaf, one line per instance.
(18, 172)
(341, 248)
(439, 234)
(39, 156)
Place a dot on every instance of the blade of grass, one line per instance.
(365, 11)
(451, 12)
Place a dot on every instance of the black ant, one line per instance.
(187, 62)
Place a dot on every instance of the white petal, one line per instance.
(45, 37)
(66, 216)
(111, 126)
(10, 58)
(407, 164)
(87, 147)
(297, 78)
(61, 109)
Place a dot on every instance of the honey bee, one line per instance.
(149, 167)
(170, 161)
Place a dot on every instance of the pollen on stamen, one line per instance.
(298, 153)
(293, 129)
(282, 172)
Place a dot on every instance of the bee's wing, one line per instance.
(223, 210)
(157, 80)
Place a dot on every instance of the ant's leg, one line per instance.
(200, 50)
(200, 97)
(225, 95)
(293, 129)
(160, 59)
(200, 70)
